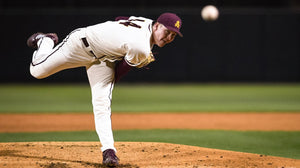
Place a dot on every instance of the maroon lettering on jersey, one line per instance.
(121, 18)
(130, 23)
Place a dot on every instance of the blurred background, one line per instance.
(248, 60)
(252, 40)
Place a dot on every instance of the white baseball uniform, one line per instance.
(97, 48)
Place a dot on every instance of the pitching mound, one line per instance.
(132, 154)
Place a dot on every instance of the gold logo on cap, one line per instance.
(177, 24)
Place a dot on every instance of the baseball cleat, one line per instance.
(110, 159)
(33, 39)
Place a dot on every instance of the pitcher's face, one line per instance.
(161, 35)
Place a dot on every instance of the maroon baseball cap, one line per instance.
(171, 21)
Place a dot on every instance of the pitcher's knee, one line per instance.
(37, 72)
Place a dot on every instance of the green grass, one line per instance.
(165, 98)
(45, 98)
(208, 98)
(154, 98)
(279, 143)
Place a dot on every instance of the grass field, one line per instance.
(154, 98)
(165, 98)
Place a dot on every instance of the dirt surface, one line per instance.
(140, 154)
(221, 121)
(133, 155)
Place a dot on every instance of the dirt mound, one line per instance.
(132, 154)
(138, 154)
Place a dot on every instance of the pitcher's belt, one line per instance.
(87, 45)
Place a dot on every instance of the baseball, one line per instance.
(210, 13)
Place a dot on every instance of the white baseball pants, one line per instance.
(72, 53)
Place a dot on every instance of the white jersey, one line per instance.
(128, 39)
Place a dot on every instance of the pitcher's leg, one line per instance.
(102, 115)
(101, 77)
(45, 47)
(69, 53)
(46, 60)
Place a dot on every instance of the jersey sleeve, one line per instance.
(136, 57)
(137, 45)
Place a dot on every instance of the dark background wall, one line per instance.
(252, 41)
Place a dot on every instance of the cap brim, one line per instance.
(175, 30)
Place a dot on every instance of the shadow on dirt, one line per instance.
(57, 163)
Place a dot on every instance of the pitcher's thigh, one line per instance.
(102, 73)
(52, 64)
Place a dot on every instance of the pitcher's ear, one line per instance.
(155, 25)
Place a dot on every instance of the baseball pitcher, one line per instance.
(108, 51)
